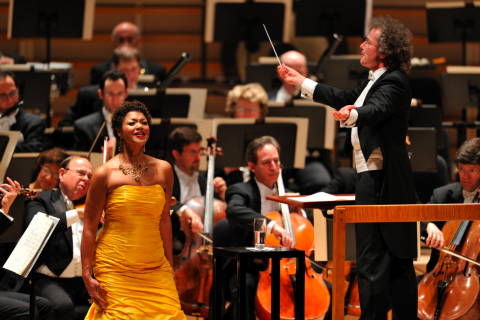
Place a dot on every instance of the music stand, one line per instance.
(423, 149)
(461, 89)
(344, 71)
(50, 19)
(324, 18)
(233, 136)
(318, 115)
(174, 103)
(242, 20)
(453, 22)
(160, 129)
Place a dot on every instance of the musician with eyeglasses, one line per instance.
(58, 272)
(126, 34)
(13, 117)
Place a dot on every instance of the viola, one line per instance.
(451, 290)
(318, 298)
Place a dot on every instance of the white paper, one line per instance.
(322, 196)
(31, 244)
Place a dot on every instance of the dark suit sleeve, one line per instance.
(32, 128)
(240, 203)
(5, 223)
(40, 204)
(335, 97)
(385, 101)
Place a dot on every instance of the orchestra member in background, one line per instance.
(246, 201)
(47, 165)
(13, 117)
(287, 92)
(377, 113)
(16, 305)
(185, 149)
(113, 92)
(464, 191)
(126, 34)
(58, 272)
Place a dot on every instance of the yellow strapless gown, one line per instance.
(129, 260)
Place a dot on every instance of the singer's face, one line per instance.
(267, 168)
(135, 128)
(369, 57)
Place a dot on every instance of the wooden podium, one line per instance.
(344, 214)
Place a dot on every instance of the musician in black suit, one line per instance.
(185, 150)
(126, 34)
(466, 190)
(16, 305)
(113, 92)
(287, 92)
(125, 60)
(13, 117)
(58, 272)
(246, 201)
(377, 113)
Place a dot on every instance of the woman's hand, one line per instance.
(96, 292)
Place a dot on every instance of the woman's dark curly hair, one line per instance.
(125, 108)
(394, 43)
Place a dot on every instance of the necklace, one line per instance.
(136, 171)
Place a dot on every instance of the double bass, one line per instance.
(318, 298)
(194, 265)
(451, 290)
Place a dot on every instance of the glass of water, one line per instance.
(259, 230)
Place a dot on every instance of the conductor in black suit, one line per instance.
(58, 272)
(113, 92)
(377, 113)
(13, 117)
(126, 34)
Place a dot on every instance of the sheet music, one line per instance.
(322, 196)
(31, 244)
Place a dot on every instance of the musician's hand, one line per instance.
(190, 220)
(435, 237)
(282, 235)
(343, 114)
(10, 191)
(220, 187)
(290, 76)
(97, 294)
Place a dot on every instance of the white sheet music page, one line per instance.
(31, 244)
(322, 196)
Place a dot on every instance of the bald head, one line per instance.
(126, 34)
(295, 60)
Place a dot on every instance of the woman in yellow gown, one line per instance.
(128, 269)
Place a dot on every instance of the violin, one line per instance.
(194, 265)
(318, 298)
(450, 291)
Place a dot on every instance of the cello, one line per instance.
(194, 265)
(318, 298)
(450, 290)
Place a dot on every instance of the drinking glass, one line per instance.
(259, 230)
